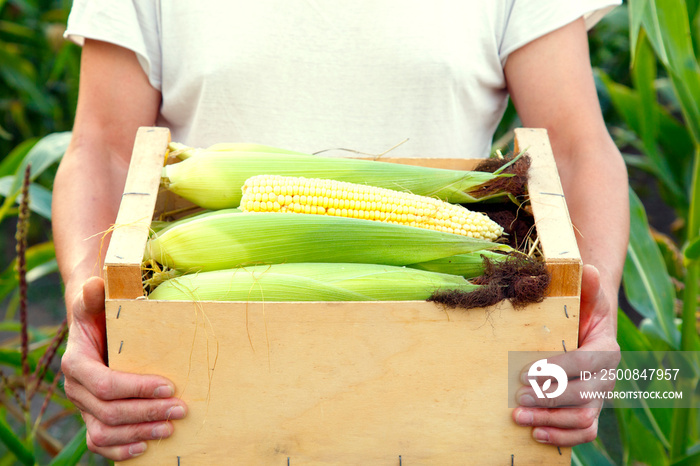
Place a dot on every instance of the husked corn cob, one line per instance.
(235, 239)
(310, 282)
(274, 193)
(213, 179)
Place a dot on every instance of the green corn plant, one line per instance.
(660, 109)
(38, 71)
(31, 356)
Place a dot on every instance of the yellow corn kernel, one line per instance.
(365, 202)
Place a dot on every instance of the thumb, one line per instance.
(89, 304)
(89, 315)
(94, 295)
(590, 285)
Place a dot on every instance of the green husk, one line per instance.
(182, 152)
(467, 265)
(214, 180)
(239, 239)
(311, 282)
(158, 226)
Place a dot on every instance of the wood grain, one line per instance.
(554, 228)
(339, 383)
(130, 232)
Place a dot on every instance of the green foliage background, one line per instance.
(645, 56)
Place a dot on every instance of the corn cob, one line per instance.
(310, 282)
(274, 193)
(235, 239)
(468, 265)
(214, 180)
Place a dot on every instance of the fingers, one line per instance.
(566, 437)
(121, 410)
(125, 411)
(106, 384)
(119, 398)
(123, 442)
(575, 362)
(577, 394)
(564, 427)
(116, 453)
(570, 418)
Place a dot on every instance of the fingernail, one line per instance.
(160, 431)
(540, 435)
(176, 412)
(527, 400)
(137, 449)
(164, 391)
(524, 418)
(525, 378)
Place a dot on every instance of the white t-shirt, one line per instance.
(321, 74)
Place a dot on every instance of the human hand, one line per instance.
(120, 410)
(569, 419)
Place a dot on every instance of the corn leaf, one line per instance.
(232, 240)
(629, 337)
(590, 454)
(42, 155)
(688, 460)
(36, 256)
(669, 29)
(310, 282)
(646, 281)
(14, 444)
(646, 447)
(214, 180)
(672, 138)
(39, 197)
(11, 162)
(692, 251)
(468, 265)
(73, 451)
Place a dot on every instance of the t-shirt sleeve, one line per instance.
(132, 24)
(526, 20)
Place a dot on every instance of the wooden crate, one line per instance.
(383, 383)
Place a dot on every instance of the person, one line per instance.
(318, 75)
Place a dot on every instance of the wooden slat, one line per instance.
(554, 229)
(339, 383)
(130, 233)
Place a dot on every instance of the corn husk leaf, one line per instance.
(240, 239)
(467, 265)
(213, 180)
(310, 282)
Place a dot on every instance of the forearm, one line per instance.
(594, 179)
(552, 87)
(87, 191)
(115, 99)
